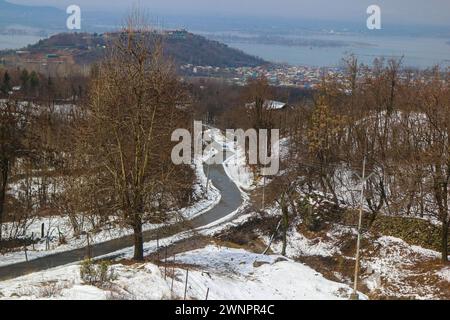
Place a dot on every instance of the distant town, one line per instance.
(306, 77)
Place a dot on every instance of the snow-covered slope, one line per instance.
(64, 283)
(236, 274)
(228, 274)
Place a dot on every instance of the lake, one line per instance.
(418, 52)
(421, 52)
(17, 41)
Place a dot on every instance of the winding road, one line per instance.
(231, 200)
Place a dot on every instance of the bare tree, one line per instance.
(135, 102)
(14, 143)
(429, 143)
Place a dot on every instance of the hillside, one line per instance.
(197, 50)
(182, 46)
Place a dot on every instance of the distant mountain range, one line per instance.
(14, 16)
(49, 20)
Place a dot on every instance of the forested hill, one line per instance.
(182, 46)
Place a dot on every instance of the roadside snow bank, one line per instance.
(236, 164)
(205, 198)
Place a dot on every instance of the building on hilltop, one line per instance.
(271, 105)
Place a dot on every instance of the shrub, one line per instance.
(97, 274)
(52, 289)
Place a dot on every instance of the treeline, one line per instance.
(393, 123)
(22, 84)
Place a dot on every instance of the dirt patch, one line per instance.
(181, 246)
(247, 235)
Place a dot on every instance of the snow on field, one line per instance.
(142, 281)
(236, 274)
(390, 267)
(445, 274)
(403, 270)
(228, 273)
(299, 245)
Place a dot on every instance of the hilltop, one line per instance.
(87, 48)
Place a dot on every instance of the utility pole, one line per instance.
(363, 180)
(186, 284)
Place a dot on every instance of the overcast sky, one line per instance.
(429, 12)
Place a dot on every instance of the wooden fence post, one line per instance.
(165, 265)
(88, 246)
(173, 275)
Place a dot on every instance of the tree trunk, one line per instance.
(444, 238)
(4, 184)
(284, 210)
(138, 238)
(74, 224)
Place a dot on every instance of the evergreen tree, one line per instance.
(24, 80)
(34, 80)
(6, 86)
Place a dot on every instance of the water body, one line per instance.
(420, 52)
(17, 41)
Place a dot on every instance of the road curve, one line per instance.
(231, 200)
